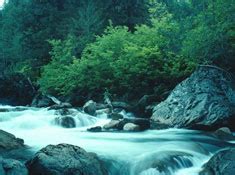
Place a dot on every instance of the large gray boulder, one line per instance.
(65, 121)
(9, 142)
(90, 108)
(204, 101)
(41, 100)
(12, 167)
(65, 159)
(222, 163)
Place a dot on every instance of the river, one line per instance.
(172, 151)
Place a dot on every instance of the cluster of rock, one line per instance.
(62, 159)
(124, 124)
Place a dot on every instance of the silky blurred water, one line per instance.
(153, 152)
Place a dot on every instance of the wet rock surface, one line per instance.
(224, 134)
(12, 167)
(65, 159)
(41, 100)
(9, 142)
(65, 121)
(222, 163)
(204, 101)
(90, 108)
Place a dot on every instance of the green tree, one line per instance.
(212, 39)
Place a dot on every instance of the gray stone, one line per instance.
(204, 101)
(9, 142)
(95, 129)
(222, 163)
(65, 121)
(41, 100)
(143, 123)
(12, 167)
(90, 108)
(131, 127)
(65, 159)
(113, 124)
(224, 134)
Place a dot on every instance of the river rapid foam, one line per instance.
(152, 152)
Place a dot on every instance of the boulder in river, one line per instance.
(95, 129)
(131, 127)
(224, 134)
(90, 107)
(113, 124)
(9, 142)
(222, 163)
(65, 121)
(204, 101)
(142, 124)
(12, 167)
(65, 159)
(41, 100)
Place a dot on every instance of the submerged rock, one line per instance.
(65, 159)
(224, 134)
(204, 101)
(95, 129)
(12, 167)
(222, 163)
(90, 108)
(9, 142)
(163, 162)
(13, 109)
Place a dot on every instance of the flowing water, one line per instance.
(162, 152)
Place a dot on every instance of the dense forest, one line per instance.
(126, 48)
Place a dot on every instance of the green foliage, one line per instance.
(212, 39)
(54, 74)
(123, 62)
(150, 45)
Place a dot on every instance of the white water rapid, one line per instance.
(163, 152)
